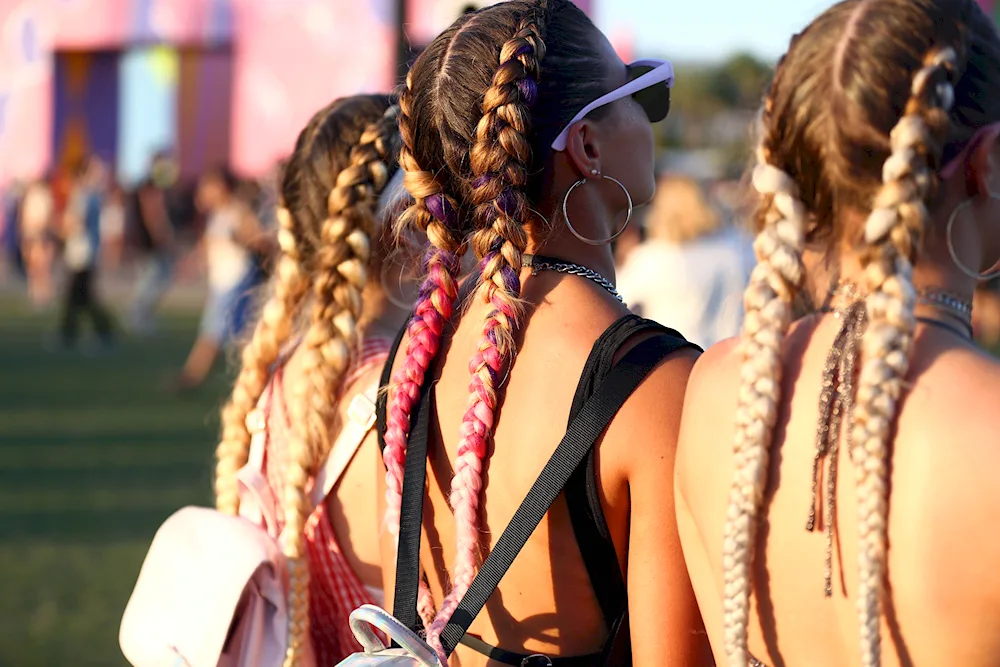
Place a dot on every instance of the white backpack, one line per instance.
(212, 589)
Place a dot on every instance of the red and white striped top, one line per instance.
(334, 588)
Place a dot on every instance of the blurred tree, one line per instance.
(712, 108)
(743, 79)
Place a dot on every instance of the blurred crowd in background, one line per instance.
(67, 234)
(684, 263)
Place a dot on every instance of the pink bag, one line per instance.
(211, 592)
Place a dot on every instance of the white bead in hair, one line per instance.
(920, 79)
(946, 57)
(286, 240)
(946, 95)
(880, 223)
(769, 180)
(909, 131)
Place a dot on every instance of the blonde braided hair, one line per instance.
(850, 88)
(500, 160)
(272, 331)
(768, 302)
(342, 263)
(893, 234)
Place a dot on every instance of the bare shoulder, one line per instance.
(945, 458)
(956, 392)
(652, 414)
(714, 384)
(719, 364)
(705, 438)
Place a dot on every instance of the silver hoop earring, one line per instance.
(580, 236)
(975, 275)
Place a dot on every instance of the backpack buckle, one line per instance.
(537, 660)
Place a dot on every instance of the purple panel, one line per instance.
(86, 107)
(204, 105)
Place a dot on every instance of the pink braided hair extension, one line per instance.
(502, 172)
(434, 307)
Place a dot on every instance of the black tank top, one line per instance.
(586, 513)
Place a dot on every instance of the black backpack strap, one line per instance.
(382, 399)
(597, 549)
(582, 498)
(411, 516)
(414, 478)
(580, 438)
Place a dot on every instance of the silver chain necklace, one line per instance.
(539, 263)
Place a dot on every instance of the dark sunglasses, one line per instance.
(649, 83)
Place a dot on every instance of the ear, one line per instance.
(583, 148)
(983, 171)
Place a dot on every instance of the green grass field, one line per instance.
(94, 454)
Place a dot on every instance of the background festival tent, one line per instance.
(215, 80)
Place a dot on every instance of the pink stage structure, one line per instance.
(241, 77)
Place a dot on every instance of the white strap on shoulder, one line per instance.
(256, 423)
(360, 419)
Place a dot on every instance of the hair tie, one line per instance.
(769, 180)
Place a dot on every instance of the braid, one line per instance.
(272, 331)
(768, 301)
(434, 213)
(341, 275)
(500, 159)
(893, 234)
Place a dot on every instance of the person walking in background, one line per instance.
(37, 241)
(233, 236)
(153, 231)
(10, 214)
(113, 227)
(691, 270)
(81, 252)
(836, 475)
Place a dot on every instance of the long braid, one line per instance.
(341, 275)
(272, 331)
(435, 213)
(500, 159)
(893, 234)
(768, 302)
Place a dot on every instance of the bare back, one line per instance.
(545, 603)
(943, 602)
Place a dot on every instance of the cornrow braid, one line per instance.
(271, 333)
(893, 234)
(341, 275)
(500, 159)
(434, 213)
(768, 302)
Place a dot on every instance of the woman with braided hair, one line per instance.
(310, 372)
(527, 141)
(878, 170)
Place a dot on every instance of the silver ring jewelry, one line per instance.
(596, 242)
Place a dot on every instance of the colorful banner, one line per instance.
(204, 110)
(285, 60)
(148, 109)
(86, 108)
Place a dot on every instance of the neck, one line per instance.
(933, 273)
(556, 241)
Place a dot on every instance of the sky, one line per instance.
(707, 29)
